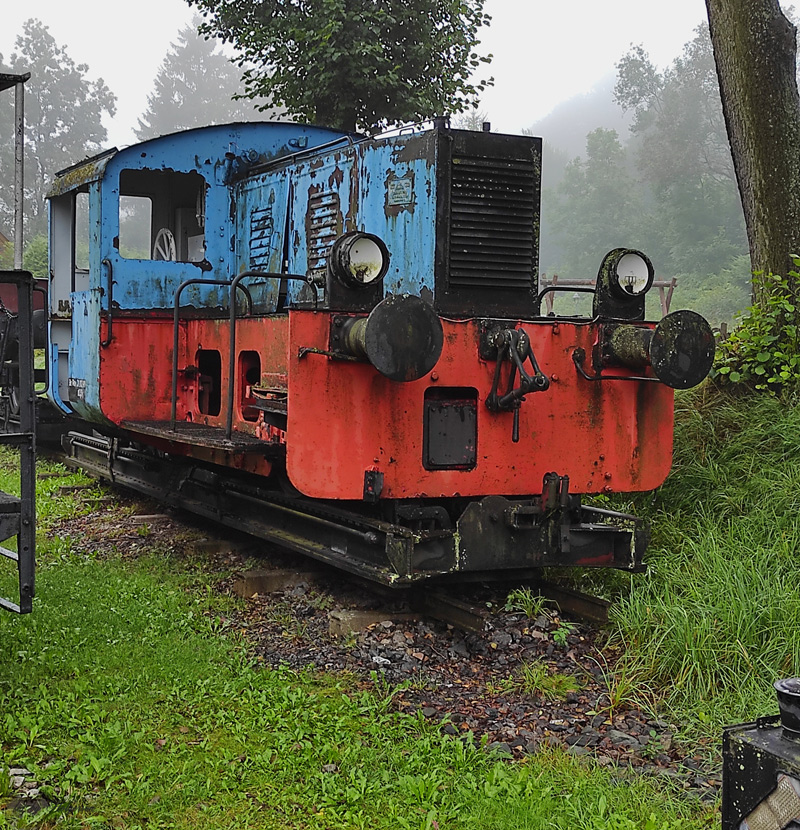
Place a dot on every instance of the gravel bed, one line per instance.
(520, 685)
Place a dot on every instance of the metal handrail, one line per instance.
(175, 322)
(231, 358)
(106, 341)
(233, 283)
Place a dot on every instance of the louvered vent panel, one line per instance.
(492, 215)
(323, 224)
(261, 229)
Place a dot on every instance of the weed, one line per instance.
(625, 687)
(763, 352)
(137, 706)
(534, 678)
(321, 601)
(523, 599)
(561, 634)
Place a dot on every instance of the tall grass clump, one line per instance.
(717, 618)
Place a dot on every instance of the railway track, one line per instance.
(512, 677)
(288, 523)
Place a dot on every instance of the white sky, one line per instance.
(545, 51)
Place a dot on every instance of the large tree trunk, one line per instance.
(755, 49)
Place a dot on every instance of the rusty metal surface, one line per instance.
(403, 338)
(576, 603)
(606, 437)
(200, 435)
(682, 349)
(446, 608)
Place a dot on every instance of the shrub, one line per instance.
(763, 352)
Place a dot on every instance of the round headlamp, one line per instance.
(359, 259)
(631, 273)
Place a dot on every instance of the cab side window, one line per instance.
(162, 215)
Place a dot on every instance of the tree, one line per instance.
(354, 64)
(755, 51)
(682, 151)
(596, 206)
(63, 118)
(195, 86)
(472, 119)
(35, 257)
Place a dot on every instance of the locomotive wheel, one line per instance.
(164, 246)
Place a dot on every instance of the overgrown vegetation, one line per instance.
(763, 352)
(120, 696)
(717, 618)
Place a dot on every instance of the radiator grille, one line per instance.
(493, 212)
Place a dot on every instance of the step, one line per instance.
(200, 435)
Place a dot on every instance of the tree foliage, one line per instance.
(667, 187)
(35, 258)
(682, 152)
(351, 64)
(63, 117)
(196, 85)
(596, 207)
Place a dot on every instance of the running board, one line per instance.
(378, 551)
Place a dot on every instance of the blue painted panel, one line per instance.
(52, 390)
(397, 201)
(387, 188)
(217, 154)
(84, 355)
(261, 205)
(323, 207)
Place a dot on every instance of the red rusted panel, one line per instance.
(8, 296)
(136, 368)
(345, 418)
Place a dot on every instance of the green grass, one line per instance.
(133, 711)
(717, 618)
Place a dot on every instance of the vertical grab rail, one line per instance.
(175, 322)
(234, 284)
(231, 361)
(106, 263)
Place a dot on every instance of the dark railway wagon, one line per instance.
(336, 343)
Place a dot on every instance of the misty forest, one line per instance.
(642, 160)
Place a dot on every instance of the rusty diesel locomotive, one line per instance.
(336, 343)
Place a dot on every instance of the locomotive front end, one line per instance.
(438, 390)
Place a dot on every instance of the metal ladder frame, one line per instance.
(18, 515)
